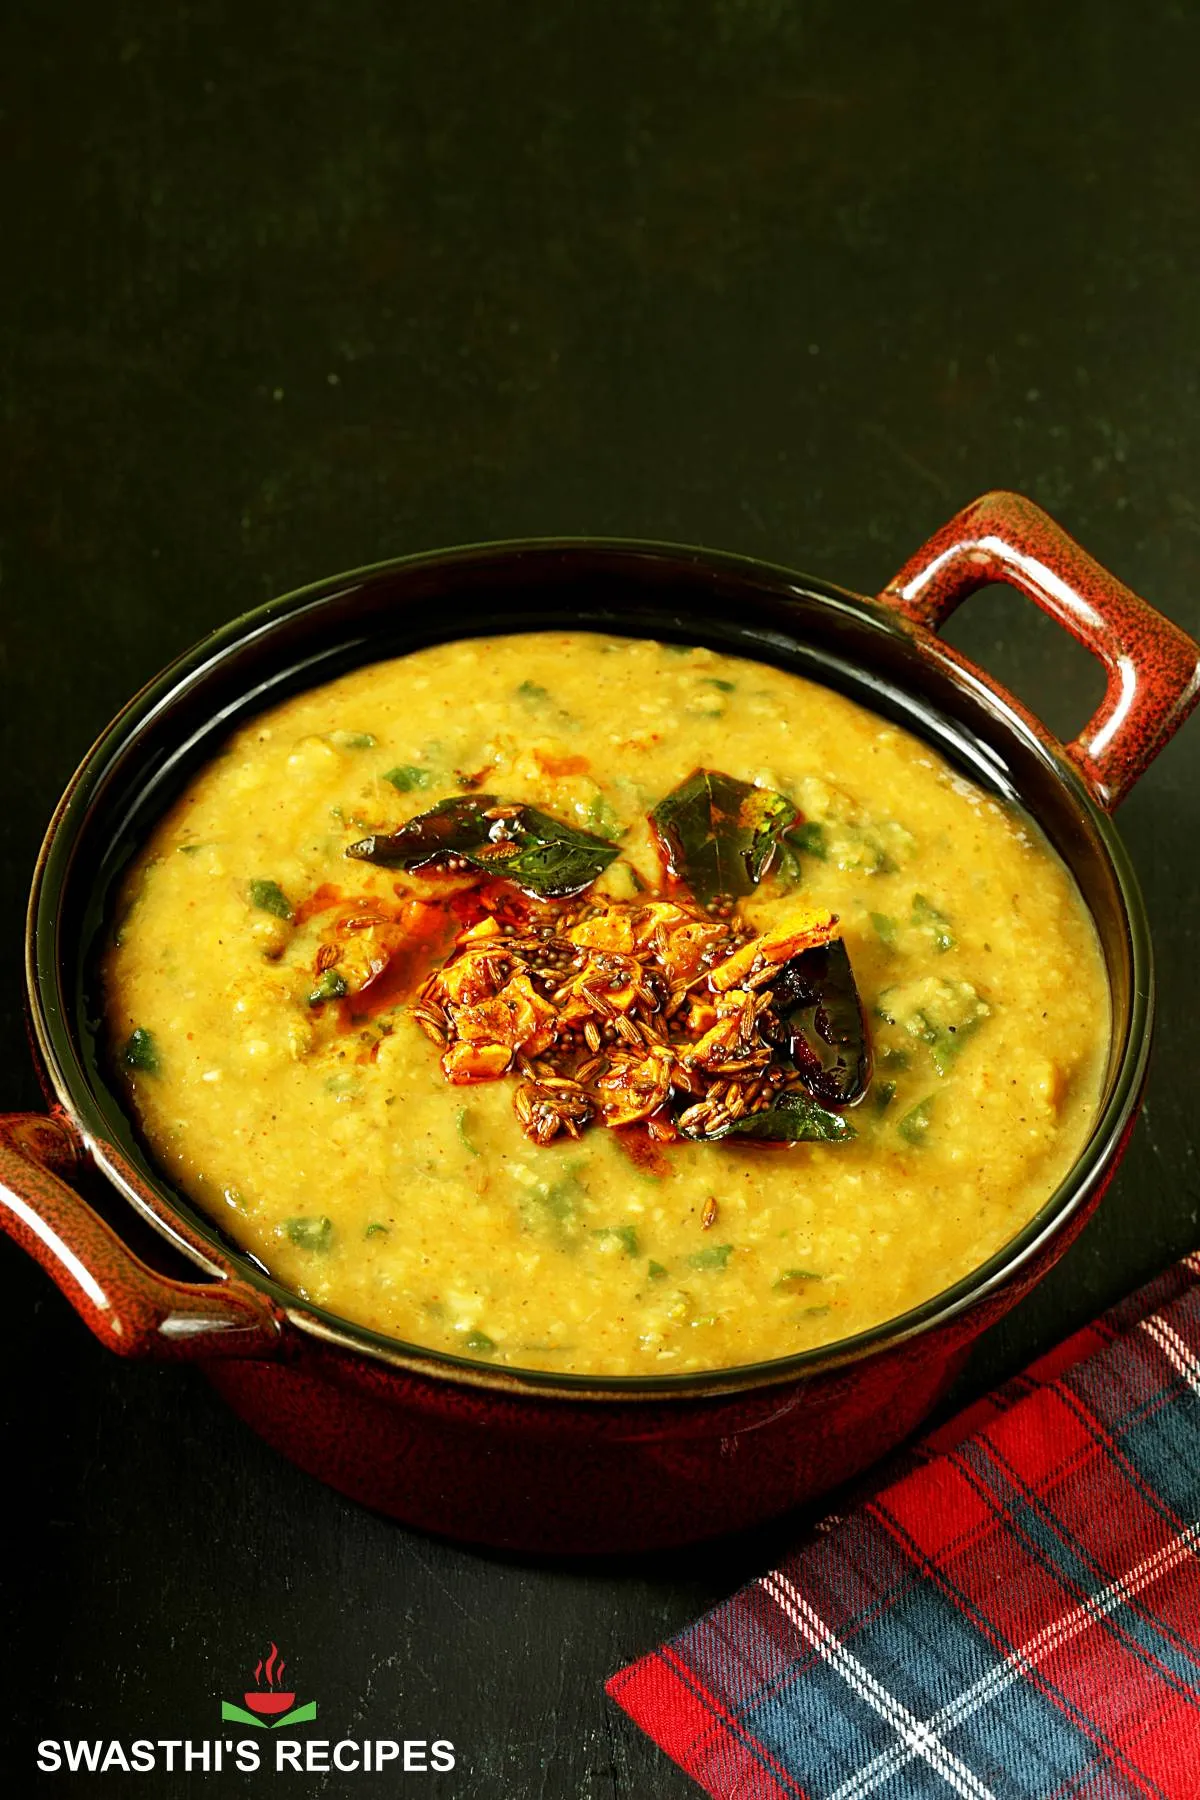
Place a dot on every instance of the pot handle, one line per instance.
(1153, 667)
(131, 1308)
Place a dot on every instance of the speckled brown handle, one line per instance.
(130, 1308)
(1153, 667)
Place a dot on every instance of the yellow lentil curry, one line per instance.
(603, 1006)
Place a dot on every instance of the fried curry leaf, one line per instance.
(821, 1026)
(498, 837)
(794, 1118)
(718, 835)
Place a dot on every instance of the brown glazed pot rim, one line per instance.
(200, 1240)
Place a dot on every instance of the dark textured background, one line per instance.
(288, 289)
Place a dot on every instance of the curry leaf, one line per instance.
(794, 1118)
(718, 835)
(498, 837)
(821, 1026)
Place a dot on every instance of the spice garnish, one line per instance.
(629, 1012)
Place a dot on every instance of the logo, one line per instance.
(269, 1708)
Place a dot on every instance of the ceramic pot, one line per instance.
(539, 1461)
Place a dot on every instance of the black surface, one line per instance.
(286, 290)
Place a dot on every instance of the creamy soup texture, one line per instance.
(303, 1106)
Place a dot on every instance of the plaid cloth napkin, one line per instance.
(1017, 1615)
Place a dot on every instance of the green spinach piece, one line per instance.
(941, 1014)
(808, 838)
(916, 1122)
(330, 986)
(309, 1233)
(713, 1256)
(793, 1279)
(886, 929)
(350, 740)
(269, 897)
(625, 1235)
(928, 918)
(462, 1122)
(407, 776)
(141, 1052)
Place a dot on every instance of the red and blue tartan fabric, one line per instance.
(1017, 1615)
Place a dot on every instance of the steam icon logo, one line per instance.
(270, 1706)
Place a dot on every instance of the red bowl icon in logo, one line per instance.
(269, 1703)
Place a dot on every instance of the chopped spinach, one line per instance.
(350, 740)
(655, 1270)
(916, 1122)
(375, 1229)
(791, 1279)
(602, 818)
(533, 693)
(928, 918)
(713, 1256)
(462, 1122)
(625, 1235)
(269, 897)
(407, 776)
(885, 1093)
(479, 1343)
(941, 1014)
(310, 1234)
(716, 681)
(555, 1205)
(330, 986)
(343, 1084)
(808, 838)
(141, 1052)
(886, 929)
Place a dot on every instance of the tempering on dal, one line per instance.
(272, 999)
